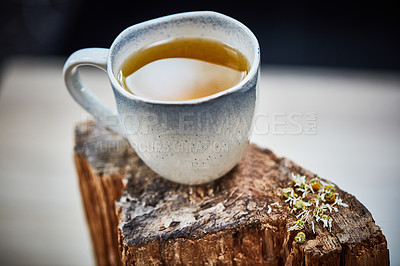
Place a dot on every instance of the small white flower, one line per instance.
(326, 206)
(327, 221)
(339, 202)
(292, 200)
(299, 181)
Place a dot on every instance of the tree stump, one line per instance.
(137, 217)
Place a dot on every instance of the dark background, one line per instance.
(313, 33)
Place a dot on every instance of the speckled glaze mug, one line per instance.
(189, 142)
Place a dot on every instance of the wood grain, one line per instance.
(157, 222)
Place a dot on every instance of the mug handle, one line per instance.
(96, 57)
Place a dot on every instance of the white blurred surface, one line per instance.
(356, 145)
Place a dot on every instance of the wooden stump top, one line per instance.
(242, 218)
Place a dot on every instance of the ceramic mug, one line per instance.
(190, 142)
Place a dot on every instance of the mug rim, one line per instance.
(248, 78)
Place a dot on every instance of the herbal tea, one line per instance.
(182, 69)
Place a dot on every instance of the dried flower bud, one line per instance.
(289, 192)
(300, 224)
(315, 184)
(330, 196)
(317, 211)
(299, 205)
(330, 188)
(300, 238)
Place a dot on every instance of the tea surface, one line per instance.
(182, 69)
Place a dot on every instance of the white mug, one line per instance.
(189, 142)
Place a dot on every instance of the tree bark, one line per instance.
(136, 217)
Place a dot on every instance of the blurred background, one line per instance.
(330, 33)
(337, 61)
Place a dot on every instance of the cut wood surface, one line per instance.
(138, 218)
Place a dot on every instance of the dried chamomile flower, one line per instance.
(317, 212)
(298, 225)
(326, 206)
(330, 188)
(340, 202)
(299, 205)
(289, 192)
(300, 238)
(322, 201)
(330, 196)
(327, 220)
(315, 184)
(299, 180)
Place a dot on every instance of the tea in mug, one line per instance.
(182, 69)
